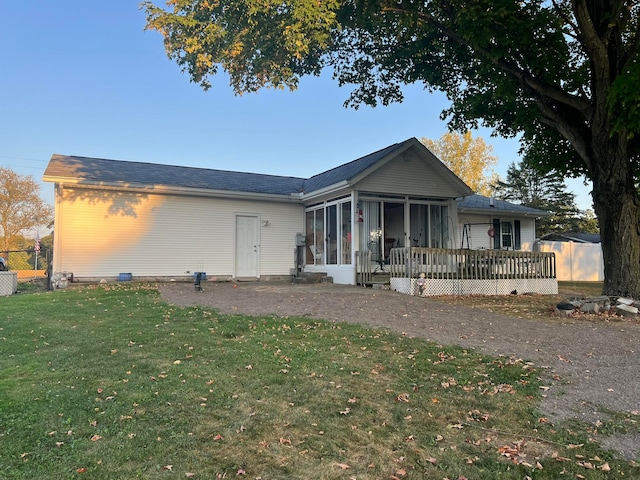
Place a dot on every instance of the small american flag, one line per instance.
(36, 247)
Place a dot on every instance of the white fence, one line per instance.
(576, 262)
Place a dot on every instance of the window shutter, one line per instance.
(497, 234)
(516, 235)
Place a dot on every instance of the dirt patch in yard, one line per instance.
(592, 361)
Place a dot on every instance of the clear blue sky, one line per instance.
(83, 78)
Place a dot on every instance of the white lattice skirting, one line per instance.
(501, 286)
(8, 283)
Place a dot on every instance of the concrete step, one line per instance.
(311, 278)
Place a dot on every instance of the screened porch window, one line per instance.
(328, 231)
(384, 226)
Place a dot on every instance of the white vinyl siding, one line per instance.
(104, 233)
(412, 176)
(477, 227)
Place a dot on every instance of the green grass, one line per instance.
(109, 382)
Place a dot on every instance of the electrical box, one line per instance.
(300, 240)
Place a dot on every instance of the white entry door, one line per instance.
(247, 247)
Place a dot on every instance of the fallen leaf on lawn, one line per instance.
(345, 411)
(168, 467)
(285, 441)
(605, 467)
(189, 474)
(218, 437)
(432, 460)
(352, 400)
(572, 446)
(558, 458)
(95, 438)
(241, 471)
(81, 470)
(343, 466)
(59, 444)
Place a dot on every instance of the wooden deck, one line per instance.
(461, 271)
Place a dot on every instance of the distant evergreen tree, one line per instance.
(587, 223)
(525, 185)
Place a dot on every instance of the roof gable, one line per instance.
(354, 171)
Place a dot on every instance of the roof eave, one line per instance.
(324, 191)
(172, 190)
(494, 211)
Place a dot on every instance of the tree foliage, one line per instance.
(525, 185)
(21, 208)
(469, 158)
(561, 74)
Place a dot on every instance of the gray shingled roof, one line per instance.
(101, 171)
(98, 170)
(480, 202)
(573, 236)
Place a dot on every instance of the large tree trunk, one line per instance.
(617, 206)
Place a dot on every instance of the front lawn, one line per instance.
(109, 382)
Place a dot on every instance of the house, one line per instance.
(578, 237)
(154, 221)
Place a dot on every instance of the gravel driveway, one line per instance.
(595, 364)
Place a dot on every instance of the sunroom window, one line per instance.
(328, 232)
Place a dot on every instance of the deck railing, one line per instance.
(442, 263)
(364, 268)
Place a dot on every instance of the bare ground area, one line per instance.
(593, 367)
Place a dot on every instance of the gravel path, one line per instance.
(595, 364)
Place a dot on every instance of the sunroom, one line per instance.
(402, 196)
(336, 229)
